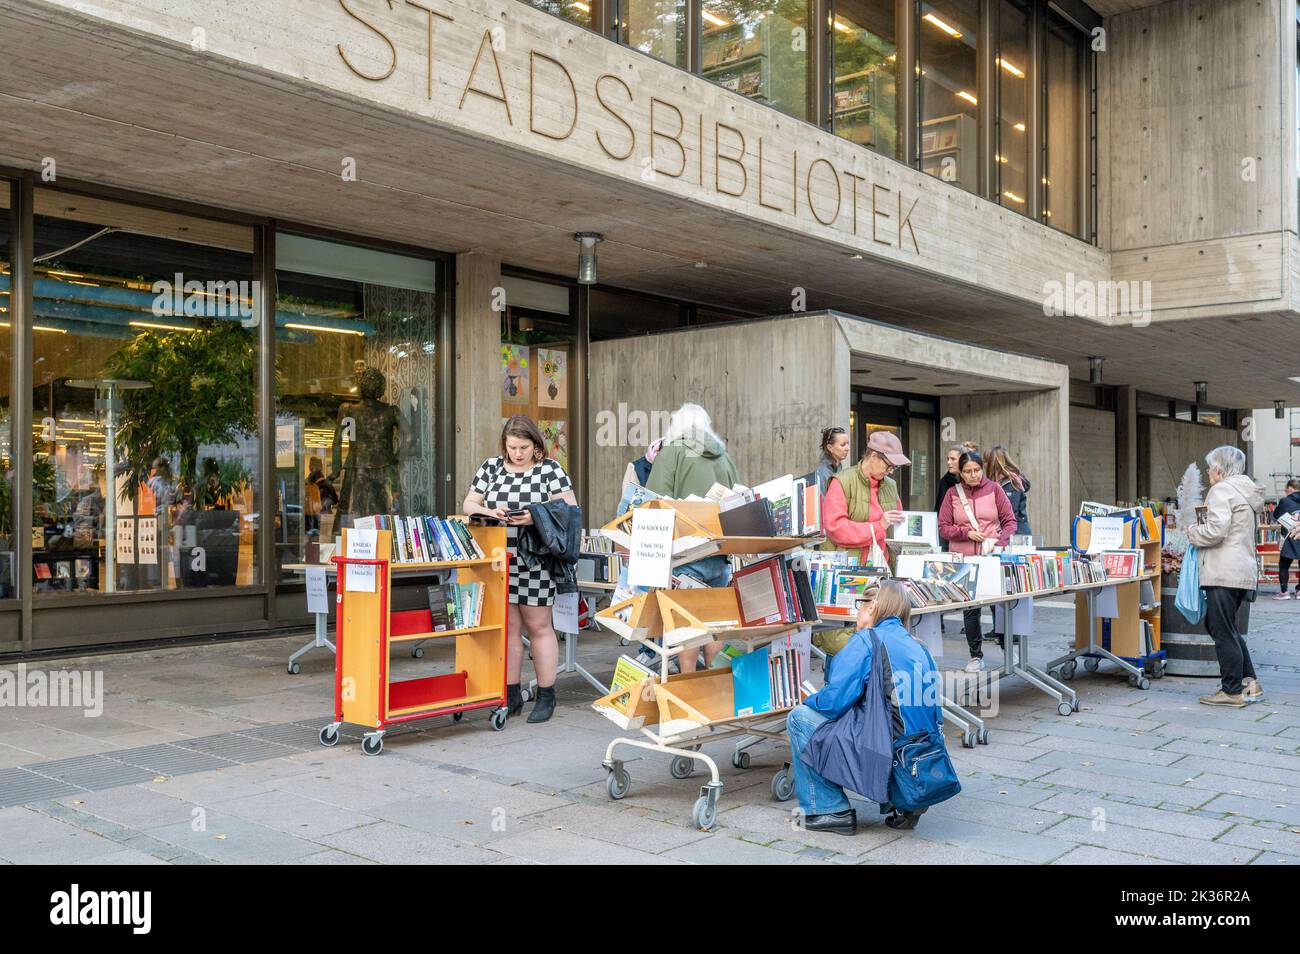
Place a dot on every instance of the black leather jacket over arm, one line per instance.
(553, 542)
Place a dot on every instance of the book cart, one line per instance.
(1131, 639)
(676, 714)
(366, 628)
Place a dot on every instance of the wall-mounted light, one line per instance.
(587, 256)
(1279, 409)
(1094, 370)
(1202, 392)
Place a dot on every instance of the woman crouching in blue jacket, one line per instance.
(885, 608)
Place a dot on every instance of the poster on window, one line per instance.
(147, 540)
(514, 373)
(553, 385)
(556, 435)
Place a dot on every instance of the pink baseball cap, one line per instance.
(888, 446)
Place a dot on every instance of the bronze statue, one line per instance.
(370, 477)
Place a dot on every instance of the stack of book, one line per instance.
(419, 539)
(455, 606)
(935, 592)
(766, 680)
(772, 591)
(1122, 564)
(1086, 571)
(836, 585)
(1030, 572)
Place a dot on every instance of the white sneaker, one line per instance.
(1283, 595)
(975, 665)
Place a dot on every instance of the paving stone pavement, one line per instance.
(209, 755)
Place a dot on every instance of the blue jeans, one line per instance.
(711, 571)
(816, 795)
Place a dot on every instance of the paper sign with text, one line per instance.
(650, 557)
(362, 545)
(318, 598)
(1107, 534)
(147, 540)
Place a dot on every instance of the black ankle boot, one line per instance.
(544, 707)
(514, 699)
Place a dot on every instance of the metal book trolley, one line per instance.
(1130, 638)
(676, 714)
(366, 695)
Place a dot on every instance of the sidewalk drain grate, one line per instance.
(19, 787)
(168, 759)
(237, 748)
(91, 772)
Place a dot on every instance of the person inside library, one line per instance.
(975, 518)
(692, 459)
(835, 451)
(883, 610)
(1225, 553)
(1290, 548)
(502, 489)
(1001, 468)
(860, 506)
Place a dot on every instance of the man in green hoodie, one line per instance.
(694, 458)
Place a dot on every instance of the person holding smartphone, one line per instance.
(503, 488)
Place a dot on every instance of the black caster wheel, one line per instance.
(497, 720)
(1064, 708)
(1092, 665)
(705, 814)
(294, 669)
(617, 783)
(417, 653)
(982, 736)
(681, 767)
(968, 739)
(329, 735)
(457, 716)
(372, 744)
(783, 785)
(740, 760)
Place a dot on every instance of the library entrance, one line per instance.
(914, 421)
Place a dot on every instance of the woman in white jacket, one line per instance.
(1225, 545)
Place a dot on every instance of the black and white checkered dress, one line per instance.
(501, 488)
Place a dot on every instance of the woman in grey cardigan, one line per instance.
(1225, 547)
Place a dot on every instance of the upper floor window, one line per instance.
(948, 118)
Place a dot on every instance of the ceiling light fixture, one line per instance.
(1011, 68)
(587, 242)
(969, 97)
(714, 18)
(331, 331)
(158, 326)
(935, 21)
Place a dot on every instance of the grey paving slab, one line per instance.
(1184, 823)
(293, 814)
(1104, 833)
(1288, 813)
(1091, 781)
(1110, 737)
(1272, 858)
(1174, 774)
(1285, 841)
(229, 840)
(773, 823)
(722, 849)
(1238, 785)
(619, 824)
(1091, 855)
(918, 851)
(1000, 842)
(1235, 768)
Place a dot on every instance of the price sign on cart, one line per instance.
(650, 556)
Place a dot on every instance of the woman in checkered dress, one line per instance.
(522, 476)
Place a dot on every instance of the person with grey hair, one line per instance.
(692, 459)
(1224, 538)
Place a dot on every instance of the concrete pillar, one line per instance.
(477, 337)
(1126, 449)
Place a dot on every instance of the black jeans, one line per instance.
(1284, 573)
(1221, 605)
(974, 636)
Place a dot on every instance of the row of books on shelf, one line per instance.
(455, 606)
(423, 539)
(774, 591)
(766, 680)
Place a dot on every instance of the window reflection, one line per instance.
(1011, 156)
(759, 48)
(657, 27)
(949, 107)
(1065, 71)
(575, 11)
(864, 67)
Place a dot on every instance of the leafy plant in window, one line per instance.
(201, 393)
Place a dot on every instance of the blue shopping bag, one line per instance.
(1190, 600)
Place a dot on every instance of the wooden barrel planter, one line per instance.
(1188, 646)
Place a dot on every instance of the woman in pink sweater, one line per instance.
(975, 517)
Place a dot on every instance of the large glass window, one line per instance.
(1066, 85)
(657, 27)
(760, 49)
(864, 74)
(356, 390)
(144, 417)
(1011, 135)
(949, 108)
(575, 11)
(8, 539)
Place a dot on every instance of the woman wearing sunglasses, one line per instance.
(884, 609)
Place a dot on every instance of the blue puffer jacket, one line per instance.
(916, 677)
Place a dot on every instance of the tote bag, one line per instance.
(1190, 599)
(856, 749)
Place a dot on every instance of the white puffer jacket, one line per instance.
(1226, 542)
